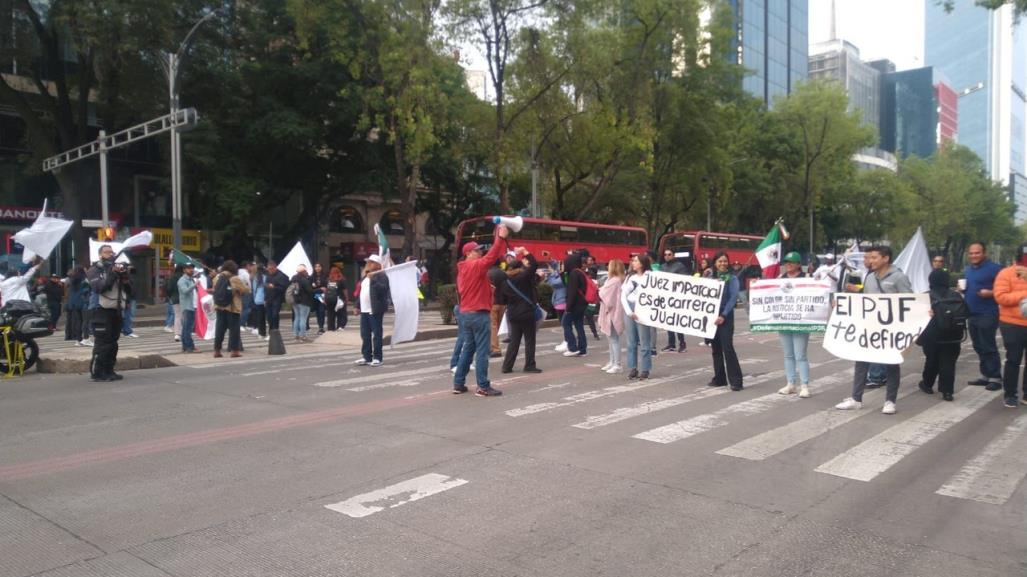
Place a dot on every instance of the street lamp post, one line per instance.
(171, 67)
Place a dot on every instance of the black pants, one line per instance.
(724, 354)
(274, 311)
(330, 312)
(320, 311)
(590, 318)
(227, 321)
(258, 318)
(517, 330)
(940, 362)
(55, 313)
(73, 325)
(371, 336)
(106, 332)
(674, 339)
(1014, 337)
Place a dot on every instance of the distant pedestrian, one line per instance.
(335, 299)
(1010, 291)
(573, 321)
(554, 278)
(373, 304)
(302, 302)
(171, 290)
(318, 282)
(795, 343)
(247, 299)
(274, 296)
(521, 296)
(228, 313)
(611, 313)
(675, 341)
(75, 305)
(639, 335)
(187, 301)
(497, 277)
(984, 321)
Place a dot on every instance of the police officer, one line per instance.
(111, 282)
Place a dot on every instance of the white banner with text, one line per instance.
(875, 328)
(679, 303)
(797, 305)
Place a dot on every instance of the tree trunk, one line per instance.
(410, 213)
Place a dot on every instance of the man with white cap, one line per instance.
(472, 284)
(372, 302)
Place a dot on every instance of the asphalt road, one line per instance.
(307, 465)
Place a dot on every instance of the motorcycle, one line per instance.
(21, 323)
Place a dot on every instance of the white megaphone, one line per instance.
(514, 223)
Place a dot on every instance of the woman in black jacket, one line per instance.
(942, 336)
(574, 318)
(302, 302)
(372, 301)
(521, 296)
(319, 281)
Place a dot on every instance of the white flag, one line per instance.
(43, 236)
(403, 287)
(915, 261)
(296, 257)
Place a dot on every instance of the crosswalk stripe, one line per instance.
(774, 441)
(880, 452)
(707, 422)
(396, 495)
(384, 386)
(625, 413)
(606, 392)
(993, 475)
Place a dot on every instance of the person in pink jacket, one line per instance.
(611, 314)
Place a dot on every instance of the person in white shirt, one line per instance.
(16, 288)
(638, 334)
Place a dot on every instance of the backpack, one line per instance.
(223, 292)
(952, 314)
(292, 292)
(591, 291)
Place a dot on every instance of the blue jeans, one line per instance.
(169, 316)
(877, 373)
(300, 313)
(188, 325)
(982, 332)
(127, 316)
(794, 346)
(371, 336)
(247, 305)
(638, 334)
(274, 313)
(572, 322)
(461, 343)
(476, 329)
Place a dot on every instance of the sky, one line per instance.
(892, 29)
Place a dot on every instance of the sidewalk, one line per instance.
(155, 348)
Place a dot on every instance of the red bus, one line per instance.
(698, 244)
(551, 239)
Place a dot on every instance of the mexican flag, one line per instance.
(177, 257)
(383, 247)
(769, 252)
(206, 316)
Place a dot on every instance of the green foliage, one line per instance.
(447, 300)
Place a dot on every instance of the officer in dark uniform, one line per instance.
(112, 283)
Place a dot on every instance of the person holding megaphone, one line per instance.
(476, 306)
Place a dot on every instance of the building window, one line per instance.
(346, 219)
(392, 223)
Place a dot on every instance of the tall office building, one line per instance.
(909, 113)
(984, 54)
(772, 44)
(839, 60)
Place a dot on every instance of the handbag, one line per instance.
(540, 315)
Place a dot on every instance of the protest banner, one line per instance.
(678, 303)
(875, 328)
(793, 305)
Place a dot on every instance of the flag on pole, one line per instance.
(383, 247)
(403, 289)
(915, 261)
(296, 257)
(769, 252)
(179, 258)
(43, 236)
(205, 315)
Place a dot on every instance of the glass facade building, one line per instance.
(772, 44)
(909, 114)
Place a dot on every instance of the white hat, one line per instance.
(375, 258)
(511, 253)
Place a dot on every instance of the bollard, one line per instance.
(275, 346)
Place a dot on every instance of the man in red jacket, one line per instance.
(472, 284)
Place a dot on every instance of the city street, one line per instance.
(308, 465)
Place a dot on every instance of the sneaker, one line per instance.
(606, 367)
(669, 349)
(86, 342)
(102, 379)
(534, 370)
(804, 392)
(561, 347)
(360, 362)
(737, 388)
(849, 404)
(169, 329)
(177, 338)
(923, 387)
(235, 354)
(874, 384)
(573, 354)
(266, 338)
(495, 355)
(459, 389)
(133, 335)
(488, 392)
(682, 348)
(947, 396)
(993, 386)
(643, 375)
(115, 376)
(614, 369)
(1010, 403)
(889, 408)
(788, 389)
(978, 382)
(376, 363)
(715, 384)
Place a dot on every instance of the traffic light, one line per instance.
(105, 234)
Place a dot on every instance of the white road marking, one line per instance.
(625, 413)
(550, 387)
(880, 452)
(703, 423)
(992, 476)
(774, 441)
(385, 386)
(395, 495)
(592, 395)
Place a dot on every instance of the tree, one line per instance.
(1019, 5)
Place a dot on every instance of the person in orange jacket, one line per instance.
(1010, 291)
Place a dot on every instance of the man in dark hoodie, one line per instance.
(942, 336)
(574, 318)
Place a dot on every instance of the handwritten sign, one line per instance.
(795, 305)
(875, 328)
(678, 303)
